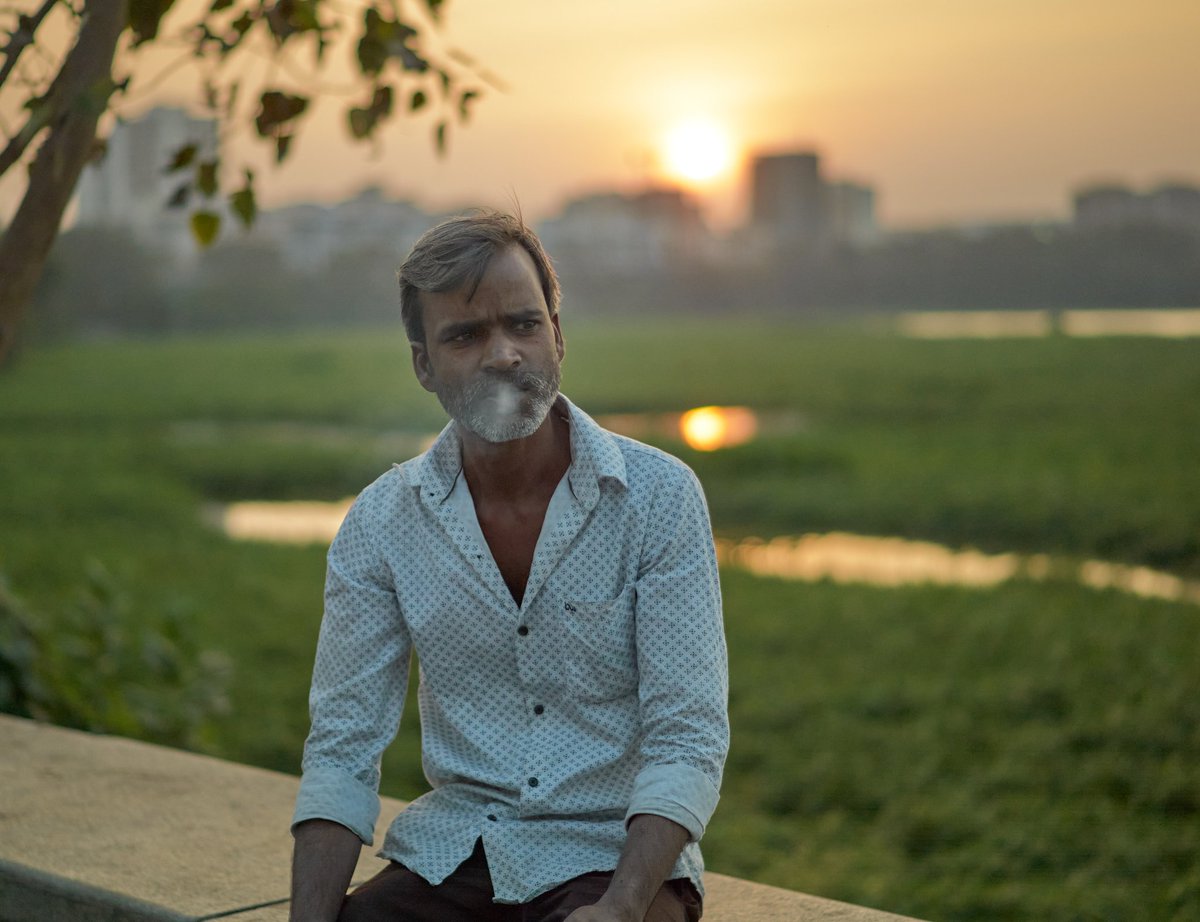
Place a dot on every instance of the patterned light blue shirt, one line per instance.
(546, 725)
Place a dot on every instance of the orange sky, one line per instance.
(954, 110)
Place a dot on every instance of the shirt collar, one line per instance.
(595, 455)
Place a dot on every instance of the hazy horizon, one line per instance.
(953, 112)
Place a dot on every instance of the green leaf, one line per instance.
(381, 102)
(206, 178)
(276, 110)
(382, 39)
(182, 157)
(244, 206)
(364, 120)
(418, 101)
(242, 24)
(291, 17)
(180, 196)
(205, 227)
(145, 16)
(372, 44)
(361, 123)
(411, 60)
(463, 103)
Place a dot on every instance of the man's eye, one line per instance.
(527, 326)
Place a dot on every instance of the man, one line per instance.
(559, 587)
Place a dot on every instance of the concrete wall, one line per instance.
(100, 829)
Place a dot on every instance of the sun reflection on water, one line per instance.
(892, 562)
(710, 428)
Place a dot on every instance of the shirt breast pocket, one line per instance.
(601, 648)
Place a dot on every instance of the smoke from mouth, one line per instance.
(502, 406)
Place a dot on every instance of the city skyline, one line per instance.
(954, 113)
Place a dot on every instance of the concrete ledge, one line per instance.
(103, 829)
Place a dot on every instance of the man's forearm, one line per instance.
(651, 849)
(323, 861)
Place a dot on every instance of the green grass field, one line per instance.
(1023, 752)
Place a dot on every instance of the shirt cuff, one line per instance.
(332, 794)
(682, 794)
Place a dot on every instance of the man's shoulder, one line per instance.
(641, 453)
(646, 465)
(385, 493)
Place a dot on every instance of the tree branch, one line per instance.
(22, 38)
(45, 112)
(86, 72)
(45, 109)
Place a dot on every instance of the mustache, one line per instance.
(521, 380)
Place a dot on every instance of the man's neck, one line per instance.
(522, 468)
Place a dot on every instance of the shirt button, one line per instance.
(523, 630)
(538, 709)
(491, 817)
(533, 782)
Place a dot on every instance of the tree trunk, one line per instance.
(85, 81)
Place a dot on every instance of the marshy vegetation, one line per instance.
(1020, 751)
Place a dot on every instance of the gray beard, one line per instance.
(501, 407)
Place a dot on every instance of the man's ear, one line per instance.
(559, 343)
(421, 366)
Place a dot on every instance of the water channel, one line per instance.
(838, 556)
(1174, 323)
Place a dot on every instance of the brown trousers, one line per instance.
(396, 894)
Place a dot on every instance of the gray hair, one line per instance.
(455, 254)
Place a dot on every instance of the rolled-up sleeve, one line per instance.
(359, 682)
(682, 661)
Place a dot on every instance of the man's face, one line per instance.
(493, 360)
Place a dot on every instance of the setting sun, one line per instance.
(697, 151)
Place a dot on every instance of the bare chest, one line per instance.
(511, 532)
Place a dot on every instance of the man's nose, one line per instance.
(502, 352)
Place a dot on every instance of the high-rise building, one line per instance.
(309, 235)
(851, 211)
(130, 186)
(1107, 206)
(629, 234)
(787, 198)
(793, 205)
(1175, 204)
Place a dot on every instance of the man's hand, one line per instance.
(598, 913)
(323, 862)
(651, 848)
